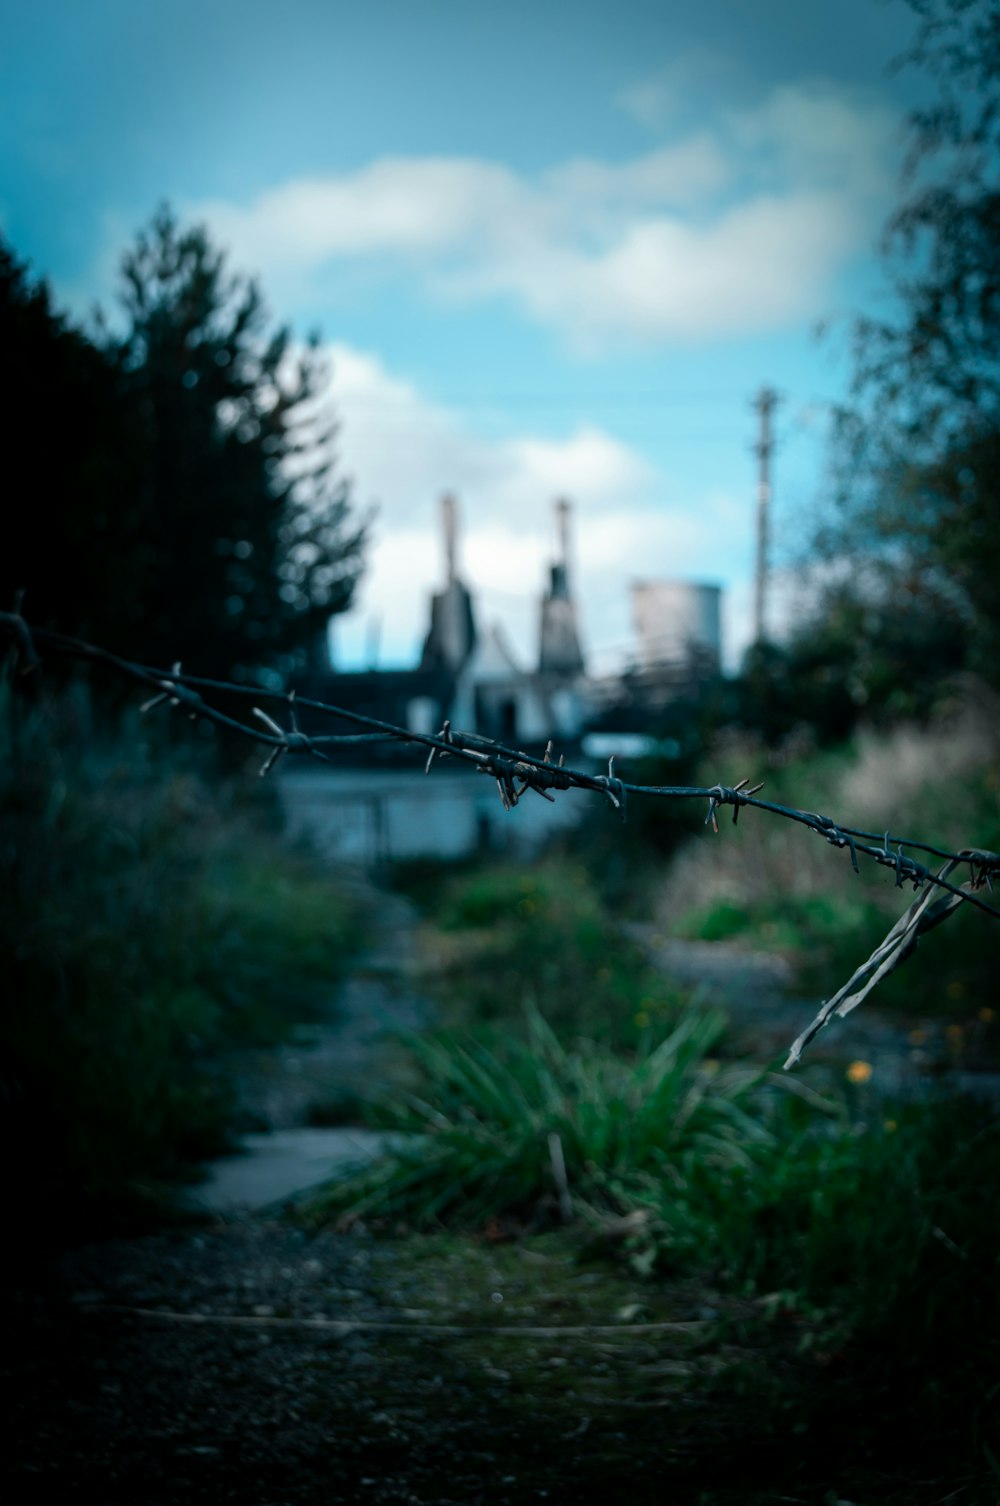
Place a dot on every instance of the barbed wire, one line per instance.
(517, 772)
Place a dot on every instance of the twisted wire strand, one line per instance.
(516, 771)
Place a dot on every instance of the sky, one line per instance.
(552, 249)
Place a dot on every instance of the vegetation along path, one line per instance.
(296, 1102)
(247, 1358)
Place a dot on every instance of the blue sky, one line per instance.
(553, 249)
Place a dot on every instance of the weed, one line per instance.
(869, 1246)
(479, 1133)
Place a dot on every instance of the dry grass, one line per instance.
(938, 784)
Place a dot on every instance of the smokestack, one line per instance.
(562, 533)
(559, 648)
(449, 522)
(452, 633)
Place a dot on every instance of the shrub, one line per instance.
(153, 922)
(510, 936)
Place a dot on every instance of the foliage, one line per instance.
(882, 1225)
(476, 1134)
(623, 860)
(784, 923)
(874, 649)
(774, 888)
(76, 540)
(866, 1231)
(506, 935)
(917, 449)
(879, 654)
(735, 1175)
(151, 923)
(192, 511)
(244, 518)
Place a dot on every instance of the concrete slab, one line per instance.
(275, 1168)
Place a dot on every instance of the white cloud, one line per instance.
(406, 450)
(673, 176)
(698, 75)
(739, 228)
(648, 102)
(757, 267)
(397, 204)
(814, 134)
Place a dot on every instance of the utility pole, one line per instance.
(765, 403)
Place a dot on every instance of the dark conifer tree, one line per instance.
(252, 540)
(184, 502)
(73, 535)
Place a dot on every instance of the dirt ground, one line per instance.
(114, 1406)
(250, 1361)
(423, 1373)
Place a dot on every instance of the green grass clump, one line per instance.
(476, 1138)
(153, 921)
(871, 1244)
(882, 1219)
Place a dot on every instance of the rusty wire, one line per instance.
(516, 772)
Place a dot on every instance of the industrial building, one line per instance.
(382, 808)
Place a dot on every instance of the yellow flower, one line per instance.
(987, 1015)
(641, 1019)
(859, 1072)
(890, 1125)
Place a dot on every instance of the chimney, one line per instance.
(449, 523)
(559, 642)
(452, 633)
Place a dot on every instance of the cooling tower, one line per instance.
(677, 622)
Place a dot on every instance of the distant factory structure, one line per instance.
(382, 808)
(469, 675)
(678, 646)
(677, 622)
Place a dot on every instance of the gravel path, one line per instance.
(318, 1074)
(326, 1062)
(111, 1405)
(115, 1408)
(316, 1394)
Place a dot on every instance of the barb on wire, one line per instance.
(516, 771)
(445, 738)
(173, 693)
(736, 795)
(293, 741)
(616, 789)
